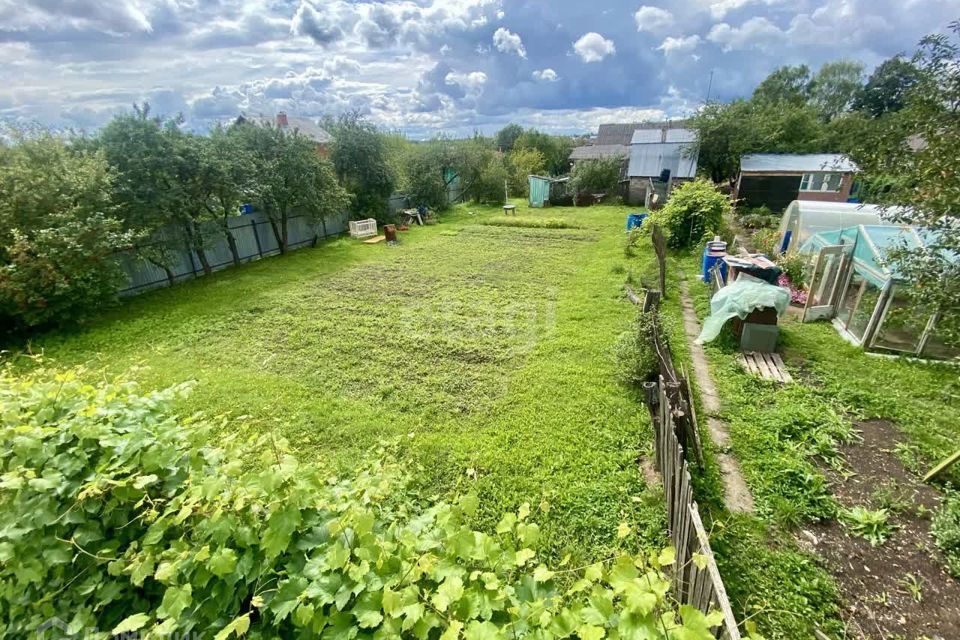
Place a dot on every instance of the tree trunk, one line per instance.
(202, 256)
(171, 279)
(276, 234)
(193, 242)
(232, 243)
(283, 230)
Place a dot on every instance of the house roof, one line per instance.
(649, 160)
(796, 163)
(305, 126)
(622, 132)
(650, 136)
(596, 151)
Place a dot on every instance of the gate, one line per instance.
(827, 281)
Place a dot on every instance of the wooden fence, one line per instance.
(696, 578)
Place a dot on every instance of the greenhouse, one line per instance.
(804, 218)
(870, 305)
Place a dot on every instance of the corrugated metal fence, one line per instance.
(254, 238)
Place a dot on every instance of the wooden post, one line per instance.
(660, 248)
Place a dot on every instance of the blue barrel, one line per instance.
(711, 258)
(635, 220)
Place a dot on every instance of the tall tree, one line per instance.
(927, 178)
(360, 158)
(147, 193)
(507, 137)
(521, 163)
(835, 87)
(286, 165)
(787, 84)
(887, 87)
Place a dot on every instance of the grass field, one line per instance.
(491, 346)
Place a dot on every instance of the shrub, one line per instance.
(595, 176)
(757, 218)
(58, 232)
(490, 184)
(636, 360)
(116, 516)
(694, 211)
(794, 266)
(533, 223)
(766, 241)
(424, 174)
(946, 532)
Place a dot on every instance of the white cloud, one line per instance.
(755, 33)
(507, 42)
(593, 47)
(472, 82)
(545, 75)
(652, 19)
(680, 44)
(121, 17)
(321, 26)
(719, 10)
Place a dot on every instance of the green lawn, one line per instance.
(491, 346)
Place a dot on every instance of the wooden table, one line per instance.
(510, 209)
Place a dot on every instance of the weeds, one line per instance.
(946, 532)
(530, 222)
(872, 525)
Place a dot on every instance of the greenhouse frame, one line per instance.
(802, 219)
(870, 305)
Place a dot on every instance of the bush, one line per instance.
(794, 266)
(490, 184)
(424, 174)
(58, 233)
(757, 218)
(946, 532)
(533, 223)
(595, 176)
(694, 211)
(636, 360)
(766, 241)
(115, 516)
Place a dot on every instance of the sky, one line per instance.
(427, 67)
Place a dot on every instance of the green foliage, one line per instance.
(757, 218)
(555, 149)
(794, 266)
(946, 532)
(58, 231)
(695, 210)
(787, 84)
(887, 87)
(766, 241)
(360, 157)
(927, 178)
(490, 185)
(424, 168)
(873, 525)
(521, 163)
(118, 518)
(835, 87)
(596, 176)
(636, 359)
(506, 138)
(529, 222)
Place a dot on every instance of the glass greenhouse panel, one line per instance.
(938, 347)
(863, 310)
(903, 323)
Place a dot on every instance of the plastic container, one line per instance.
(635, 220)
(712, 257)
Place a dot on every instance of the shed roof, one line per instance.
(596, 151)
(796, 163)
(649, 136)
(622, 132)
(649, 160)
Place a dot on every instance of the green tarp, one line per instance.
(743, 295)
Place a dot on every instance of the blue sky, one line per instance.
(427, 66)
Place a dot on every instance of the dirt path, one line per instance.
(736, 494)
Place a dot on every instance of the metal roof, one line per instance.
(648, 136)
(649, 160)
(596, 151)
(797, 163)
(622, 132)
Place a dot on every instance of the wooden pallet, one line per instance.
(768, 366)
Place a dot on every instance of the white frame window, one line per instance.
(821, 182)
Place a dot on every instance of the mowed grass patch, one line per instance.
(486, 349)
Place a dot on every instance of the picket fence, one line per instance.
(254, 238)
